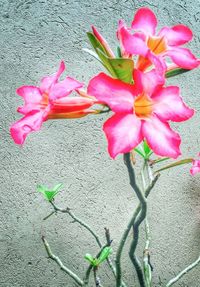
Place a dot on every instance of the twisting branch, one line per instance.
(85, 225)
(59, 262)
(76, 219)
(140, 218)
(121, 246)
(126, 232)
(182, 273)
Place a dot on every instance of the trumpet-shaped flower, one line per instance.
(145, 42)
(49, 101)
(103, 42)
(195, 166)
(141, 111)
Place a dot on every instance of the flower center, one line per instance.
(45, 99)
(157, 45)
(143, 106)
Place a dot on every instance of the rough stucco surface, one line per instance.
(35, 36)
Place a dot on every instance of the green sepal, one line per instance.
(49, 194)
(139, 152)
(146, 148)
(104, 254)
(175, 72)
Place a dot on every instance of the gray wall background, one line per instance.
(35, 36)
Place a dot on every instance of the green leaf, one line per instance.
(92, 260)
(175, 72)
(92, 53)
(104, 254)
(174, 164)
(119, 68)
(96, 44)
(49, 194)
(57, 187)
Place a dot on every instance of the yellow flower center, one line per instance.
(157, 45)
(45, 99)
(143, 106)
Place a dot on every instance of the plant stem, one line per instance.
(126, 232)
(182, 273)
(96, 278)
(87, 274)
(80, 221)
(141, 216)
(146, 257)
(121, 246)
(59, 262)
(85, 225)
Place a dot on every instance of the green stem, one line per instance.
(146, 255)
(59, 262)
(175, 164)
(182, 273)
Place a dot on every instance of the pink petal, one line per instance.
(31, 122)
(48, 81)
(123, 132)
(195, 167)
(183, 58)
(118, 95)
(64, 88)
(145, 21)
(168, 105)
(147, 82)
(133, 44)
(159, 64)
(161, 139)
(177, 35)
(32, 97)
(119, 37)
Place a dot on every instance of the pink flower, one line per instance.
(195, 166)
(49, 101)
(141, 111)
(145, 43)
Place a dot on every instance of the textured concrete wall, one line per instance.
(35, 36)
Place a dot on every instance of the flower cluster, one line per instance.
(136, 91)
